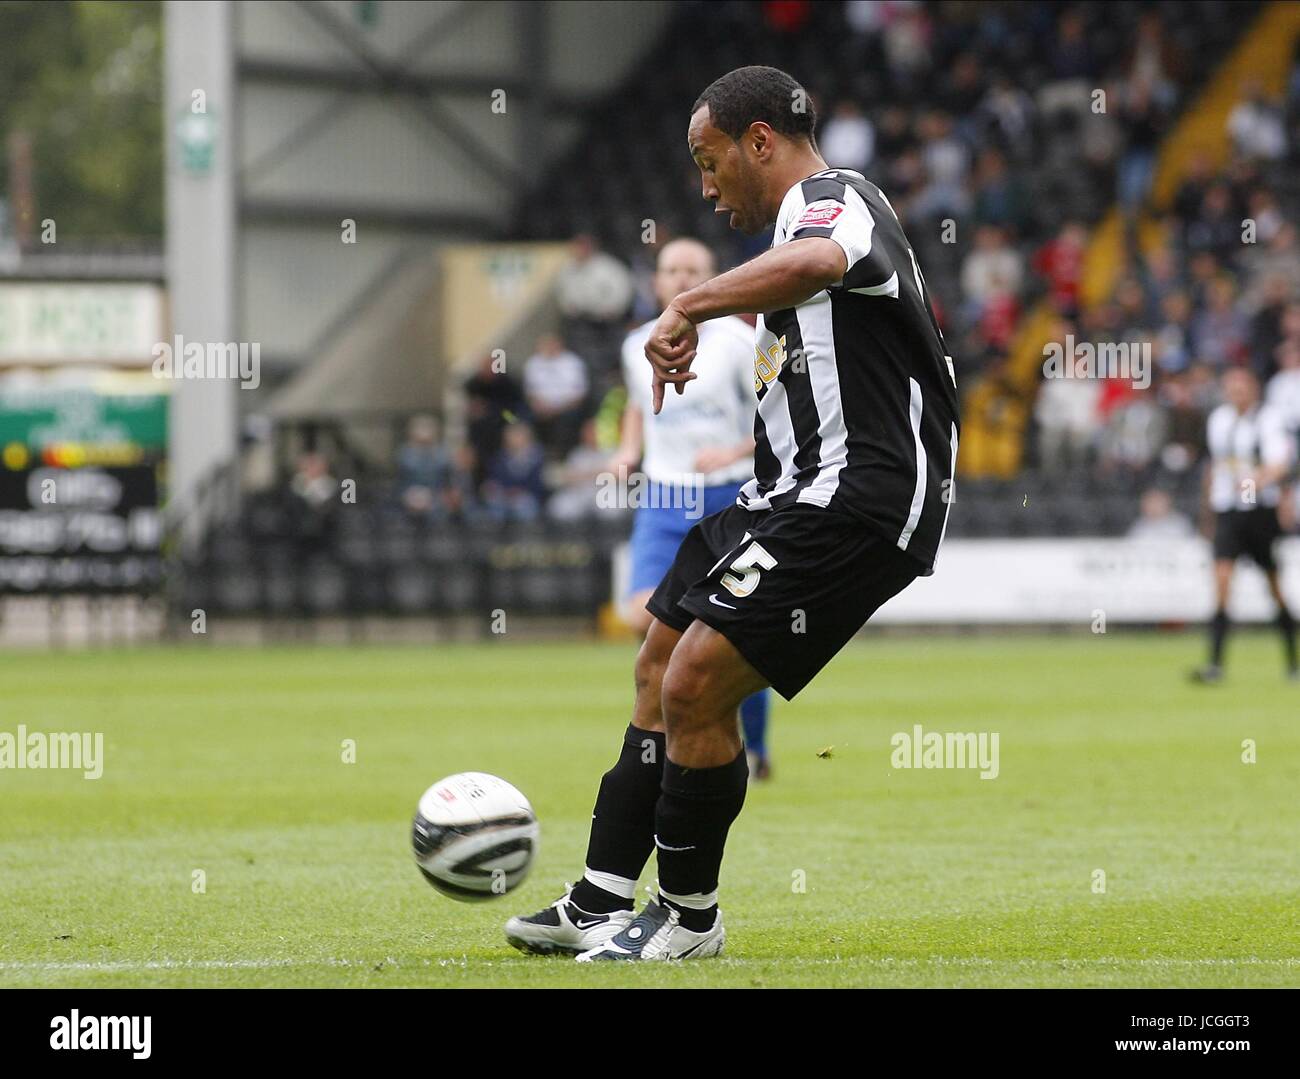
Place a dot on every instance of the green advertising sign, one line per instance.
(37, 418)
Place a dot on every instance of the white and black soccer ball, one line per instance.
(474, 836)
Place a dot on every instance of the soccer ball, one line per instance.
(474, 836)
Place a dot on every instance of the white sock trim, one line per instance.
(698, 901)
(615, 885)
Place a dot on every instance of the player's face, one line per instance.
(1240, 389)
(729, 176)
(683, 264)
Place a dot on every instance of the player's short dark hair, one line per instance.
(748, 94)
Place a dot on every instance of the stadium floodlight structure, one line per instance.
(315, 148)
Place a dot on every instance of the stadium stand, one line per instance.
(1081, 170)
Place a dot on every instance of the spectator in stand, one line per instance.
(893, 135)
(1191, 192)
(1097, 138)
(1070, 67)
(1001, 312)
(1007, 113)
(1221, 333)
(1185, 442)
(1102, 327)
(1280, 258)
(1060, 261)
(999, 412)
(1257, 126)
(1131, 309)
(556, 384)
(577, 497)
(848, 140)
(1066, 414)
(864, 18)
(1000, 197)
(786, 16)
(492, 400)
(961, 88)
(1144, 122)
(1159, 520)
(1205, 270)
(947, 164)
(1162, 276)
(906, 41)
(1216, 229)
(905, 180)
(1242, 176)
(1171, 346)
(430, 482)
(1134, 434)
(514, 489)
(642, 263)
(992, 268)
(1291, 323)
(1264, 213)
(1266, 324)
(313, 503)
(1155, 60)
(595, 287)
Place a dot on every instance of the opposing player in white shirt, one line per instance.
(694, 455)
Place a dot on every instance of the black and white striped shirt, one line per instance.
(1240, 443)
(857, 398)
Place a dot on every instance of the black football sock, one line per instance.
(622, 824)
(1218, 635)
(694, 813)
(1286, 624)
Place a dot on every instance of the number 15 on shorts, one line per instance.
(743, 574)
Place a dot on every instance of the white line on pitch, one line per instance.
(110, 966)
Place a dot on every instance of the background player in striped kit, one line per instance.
(1251, 453)
(703, 440)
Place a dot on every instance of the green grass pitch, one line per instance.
(229, 761)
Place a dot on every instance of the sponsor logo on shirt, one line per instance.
(821, 214)
(767, 365)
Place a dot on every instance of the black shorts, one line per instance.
(1248, 533)
(788, 587)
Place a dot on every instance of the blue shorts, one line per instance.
(658, 530)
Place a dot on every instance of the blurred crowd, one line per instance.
(1001, 135)
(1211, 282)
(531, 445)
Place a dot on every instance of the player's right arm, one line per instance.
(1277, 450)
(631, 441)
